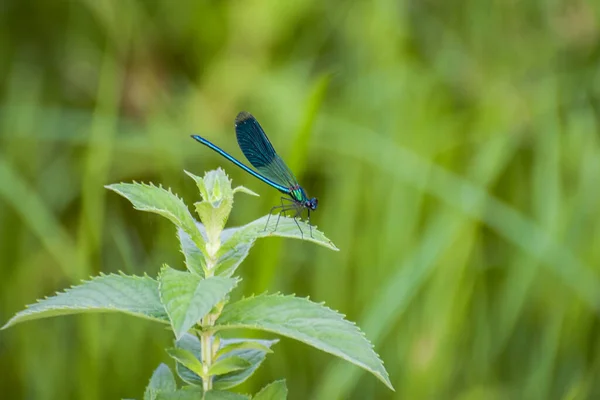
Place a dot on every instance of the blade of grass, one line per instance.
(465, 196)
(40, 220)
(411, 274)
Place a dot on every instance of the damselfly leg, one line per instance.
(299, 214)
(283, 208)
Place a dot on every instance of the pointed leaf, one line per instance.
(230, 260)
(286, 227)
(308, 322)
(187, 297)
(220, 395)
(237, 242)
(180, 395)
(200, 183)
(216, 204)
(195, 261)
(189, 343)
(218, 185)
(245, 345)
(254, 356)
(160, 201)
(162, 381)
(214, 218)
(214, 186)
(242, 189)
(186, 358)
(273, 391)
(227, 365)
(133, 295)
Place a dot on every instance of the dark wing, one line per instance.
(260, 152)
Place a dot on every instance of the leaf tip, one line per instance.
(386, 381)
(113, 186)
(179, 333)
(7, 325)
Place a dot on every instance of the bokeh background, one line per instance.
(454, 147)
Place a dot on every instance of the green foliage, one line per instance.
(243, 345)
(187, 298)
(187, 359)
(195, 261)
(308, 322)
(162, 381)
(190, 344)
(254, 351)
(182, 394)
(133, 295)
(220, 395)
(227, 365)
(196, 301)
(216, 204)
(273, 391)
(163, 202)
(286, 227)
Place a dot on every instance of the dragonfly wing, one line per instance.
(259, 151)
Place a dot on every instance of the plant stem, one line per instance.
(206, 338)
(206, 344)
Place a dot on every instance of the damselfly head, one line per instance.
(312, 203)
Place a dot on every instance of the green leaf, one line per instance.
(245, 345)
(216, 204)
(187, 297)
(134, 295)
(189, 343)
(182, 394)
(227, 365)
(286, 227)
(253, 355)
(163, 202)
(218, 186)
(162, 381)
(237, 242)
(243, 189)
(252, 350)
(187, 359)
(195, 261)
(308, 322)
(230, 259)
(273, 391)
(214, 219)
(201, 185)
(220, 395)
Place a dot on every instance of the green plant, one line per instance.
(196, 303)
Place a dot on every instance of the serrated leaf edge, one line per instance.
(384, 378)
(199, 235)
(237, 280)
(11, 322)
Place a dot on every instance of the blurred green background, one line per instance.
(454, 147)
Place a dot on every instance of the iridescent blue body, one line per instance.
(271, 169)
